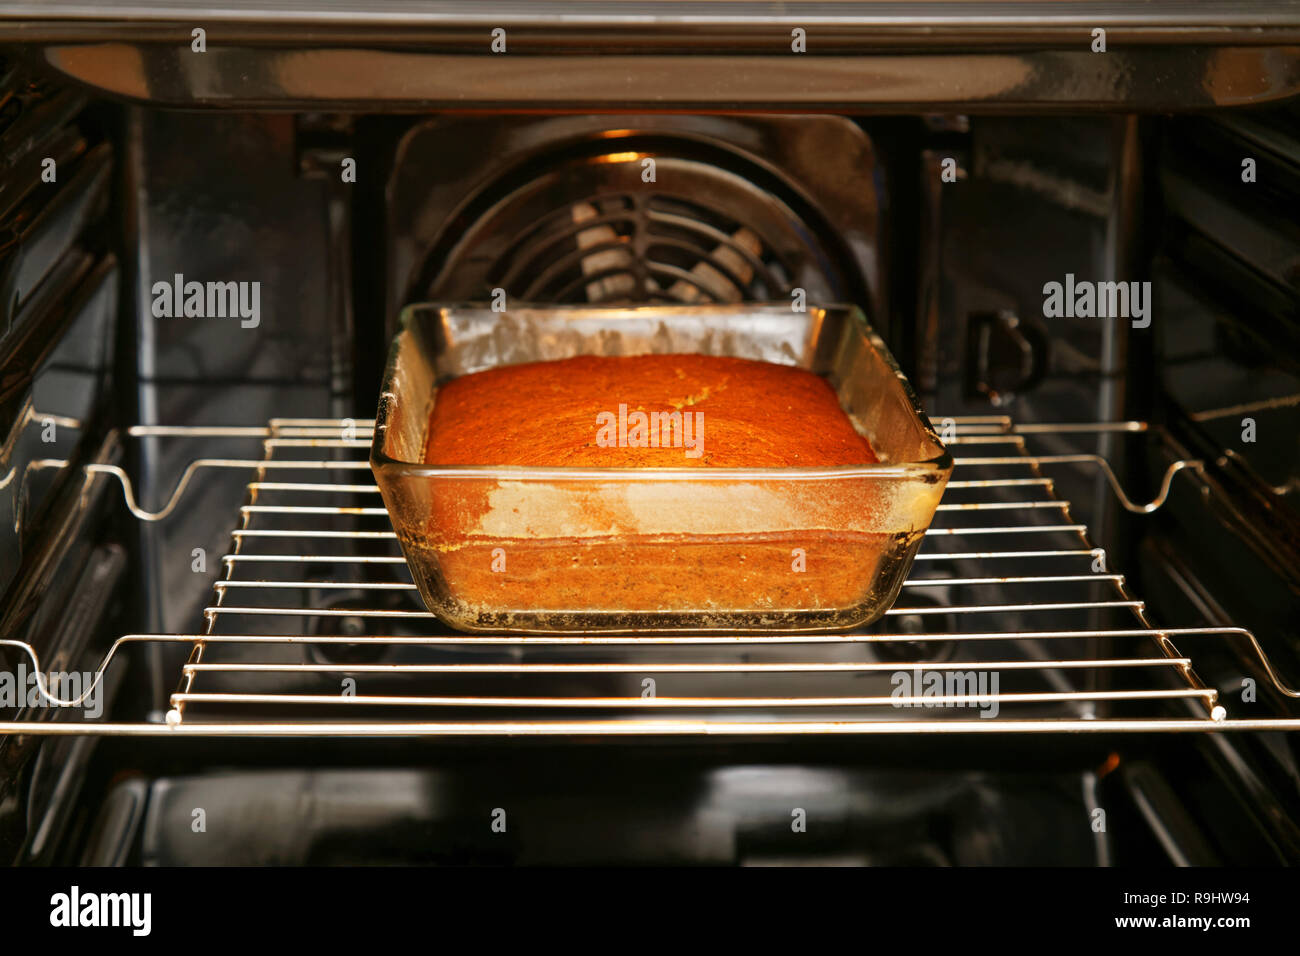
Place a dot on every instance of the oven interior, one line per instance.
(1114, 479)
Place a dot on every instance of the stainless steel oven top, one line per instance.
(878, 56)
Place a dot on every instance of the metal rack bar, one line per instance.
(216, 609)
(657, 728)
(787, 637)
(727, 667)
(670, 703)
(399, 586)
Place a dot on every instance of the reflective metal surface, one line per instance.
(881, 19)
(1149, 78)
(661, 55)
(644, 806)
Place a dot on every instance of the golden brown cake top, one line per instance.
(644, 411)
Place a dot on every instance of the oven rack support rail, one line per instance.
(222, 687)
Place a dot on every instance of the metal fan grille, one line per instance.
(594, 231)
(642, 248)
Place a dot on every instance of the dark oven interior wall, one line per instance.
(1163, 199)
(1228, 358)
(1172, 200)
(983, 213)
(1226, 549)
(220, 198)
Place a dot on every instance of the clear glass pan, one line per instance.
(653, 550)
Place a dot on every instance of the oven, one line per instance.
(1072, 224)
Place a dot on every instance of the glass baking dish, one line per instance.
(653, 550)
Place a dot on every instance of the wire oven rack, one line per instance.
(1011, 622)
